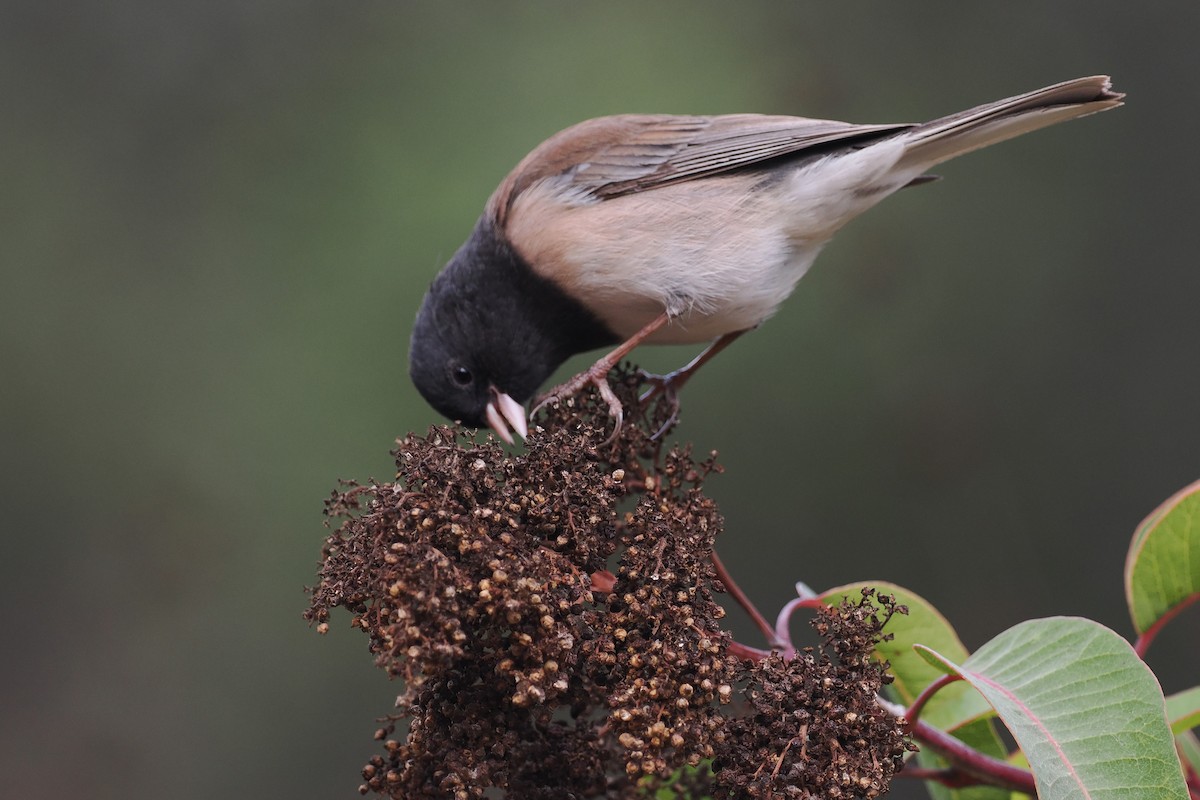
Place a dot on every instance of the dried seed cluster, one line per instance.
(837, 741)
(483, 581)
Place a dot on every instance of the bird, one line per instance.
(669, 229)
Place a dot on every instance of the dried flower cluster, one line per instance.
(838, 742)
(483, 581)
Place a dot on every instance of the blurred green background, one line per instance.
(218, 221)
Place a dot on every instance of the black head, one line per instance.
(488, 321)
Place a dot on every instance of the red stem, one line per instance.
(1191, 778)
(914, 710)
(991, 771)
(783, 622)
(742, 600)
(1143, 642)
(746, 652)
(950, 778)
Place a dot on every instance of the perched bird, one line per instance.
(669, 230)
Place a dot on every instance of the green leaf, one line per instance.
(1162, 571)
(1189, 749)
(957, 709)
(1085, 710)
(684, 773)
(1183, 710)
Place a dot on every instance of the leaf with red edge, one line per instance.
(1086, 711)
(1162, 570)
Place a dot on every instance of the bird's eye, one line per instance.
(462, 376)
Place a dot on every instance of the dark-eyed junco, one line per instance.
(669, 230)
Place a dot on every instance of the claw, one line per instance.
(664, 385)
(596, 375)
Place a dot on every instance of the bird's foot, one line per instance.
(595, 375)
(668, 387)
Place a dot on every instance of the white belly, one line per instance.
(742, 295)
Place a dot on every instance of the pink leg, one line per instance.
(674, 381)
(597, 374)
(670, 384)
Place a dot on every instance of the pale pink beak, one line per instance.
(502, 411)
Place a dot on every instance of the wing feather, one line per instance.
(612, 156)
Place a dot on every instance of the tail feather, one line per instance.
(933, 142)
